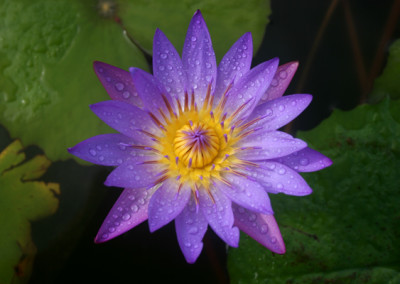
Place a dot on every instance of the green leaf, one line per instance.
(348, 230)
(22, 200)
(47, 82)
(47, 49)
(226, 20)
(388, 84)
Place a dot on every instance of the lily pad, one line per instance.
(388, 84)
(347, 231)
(22, 200)
(47, 49)
(227, 20)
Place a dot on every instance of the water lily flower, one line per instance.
(199, 143)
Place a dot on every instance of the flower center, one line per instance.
(196, 144)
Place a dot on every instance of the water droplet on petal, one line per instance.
(193, 230)
(126, 95)
(283, 74)
(264, 229)
(193, 38)
(134, 208)
(163, 56)
(304, 162)
(92, 152)
(281, 108)
(126, 216)
(119, 86)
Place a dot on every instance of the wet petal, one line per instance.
(261, 227)
(198, 59)
(247, 193)
(117, 82)
(249, 89)
(278, 178)
(133, 174)
(279, 112)
(151, 92)
(125, 118)
(167, 66)
(306, 160)
(268, 145)
(280, 82)
(234, 65)
(190, 228)
(106, 149)
(219, 215)
(167, 203)
(129, 211)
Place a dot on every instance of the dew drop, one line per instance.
(126, 95)
(304, 162)
(119, 86)
(126, 216)
(264, 229)
(92, 152)
(282, 171)
(274, 83)
(273, 240)
(104, 236)
(281, 108)
(161, 68)
(134, 208)
(283, 74)
(193, 230)
(101, 158)
(163, 56)
(193, 38)
(252, 217)
(111, 229)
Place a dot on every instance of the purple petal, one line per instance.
(268, 145)
(198, 59)
(234, 65)
(134, 174)
(190, 228)
(218, 212)
(278, 178)
(167, 203)
(306, 160)
(249, 89)
(279, 112)
(129, 211)
(150, 90)
(280, 82)
(125, 118)
(117, 82)
(262, 228)
(167, 66)
(246, 193)
(105, 149)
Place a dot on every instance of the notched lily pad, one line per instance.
(23, 199)
(347, 231)
(227, 20)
